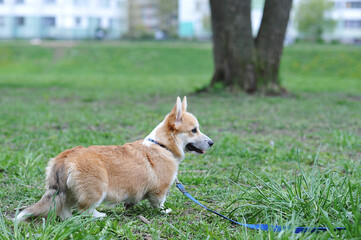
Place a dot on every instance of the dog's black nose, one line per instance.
(210, 142)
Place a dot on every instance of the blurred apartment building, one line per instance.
(189, 19)
(63, 19)
(152, 18)
(194, 20)
(347, 14)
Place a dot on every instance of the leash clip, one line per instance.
(177, 181)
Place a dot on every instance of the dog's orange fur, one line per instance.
(118, 171)
(85, 177)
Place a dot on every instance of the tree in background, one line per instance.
(242, 62)
(136, 29)
(311, 20)
(168, 17)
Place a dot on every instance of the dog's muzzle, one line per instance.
(199, 147)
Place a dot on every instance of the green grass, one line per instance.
(291, 161)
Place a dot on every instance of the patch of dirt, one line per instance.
(55, 44)
(354, 98)
(59, 52)
(10, 214)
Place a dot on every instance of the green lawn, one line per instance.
(292, 161)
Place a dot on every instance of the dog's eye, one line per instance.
(194, 130)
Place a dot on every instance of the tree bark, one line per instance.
(232, 51)
(269, 42)
(240, 61)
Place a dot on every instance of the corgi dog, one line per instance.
(145, 169)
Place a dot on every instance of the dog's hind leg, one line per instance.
(91, 208)
(89, 190)
(157, 201)
(95, 213)
(66, 210)
(128, 205)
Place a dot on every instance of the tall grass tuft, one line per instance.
(318, 198)
(50, 228)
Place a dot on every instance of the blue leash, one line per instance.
(263, 227)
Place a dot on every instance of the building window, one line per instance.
(77, 21)
(120, 4)
(49, 21)
(353, 4)
(353, 24)
(19, 21)
(19, 1)
(338, 4)
(111, 23)
(2, 21)
(198, 6)
(104, 3)
(50, 2)
(98, 22)
(79, 2)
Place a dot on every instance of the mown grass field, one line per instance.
(292, 161)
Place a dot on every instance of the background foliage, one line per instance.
(311, 18)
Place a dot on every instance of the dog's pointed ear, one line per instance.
(184, 104)
(177, 113)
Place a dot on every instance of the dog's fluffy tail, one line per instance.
(55, 196)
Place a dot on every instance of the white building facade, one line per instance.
(347, 14)
(194, 19)
(193, 23)
(63, 19)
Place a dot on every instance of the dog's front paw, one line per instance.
(166, 210)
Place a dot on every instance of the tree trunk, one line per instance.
(269, 43)
(240, 62)
(232, 51)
